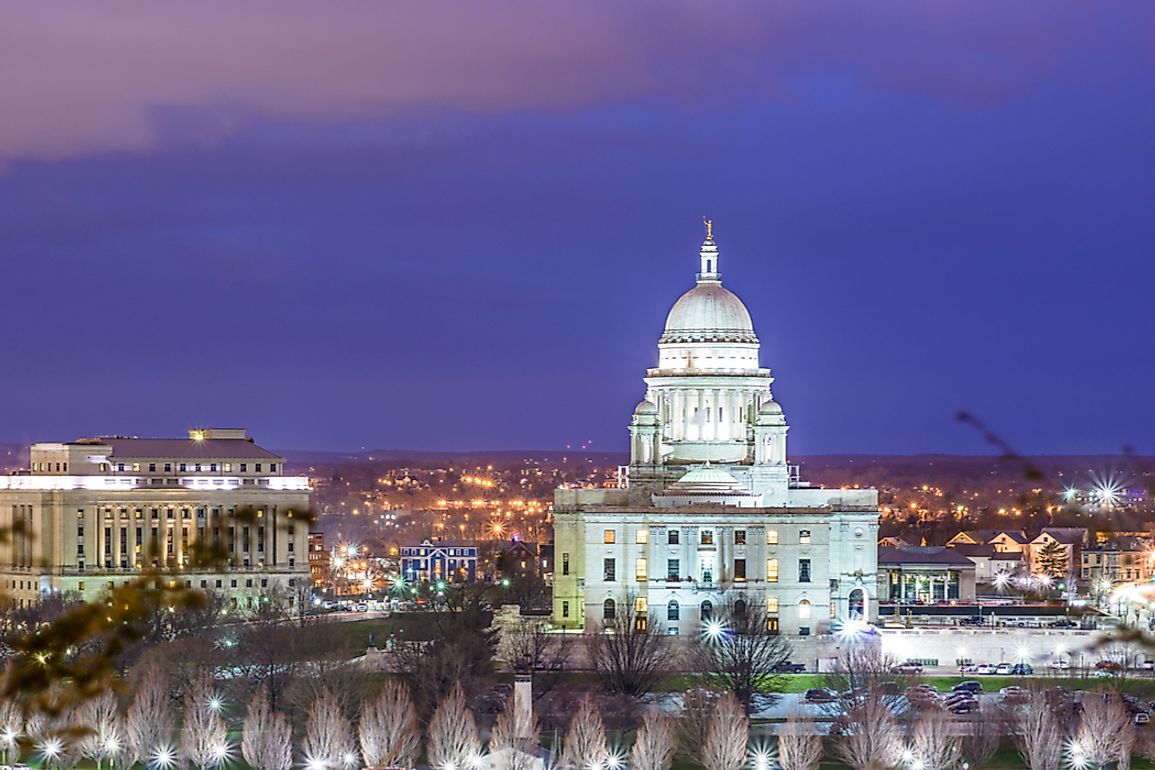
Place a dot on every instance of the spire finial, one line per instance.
(709, 255)
(709, 228)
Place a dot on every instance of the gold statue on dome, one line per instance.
(709, 229)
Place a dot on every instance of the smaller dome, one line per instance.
(771, 407)
(646, 406)
(708, 474)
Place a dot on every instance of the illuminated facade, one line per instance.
(708, 509)
(91, 514)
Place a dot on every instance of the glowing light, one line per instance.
(164, 758)
(216, 704)
(9, 736)
(51, 748)
(762, 757)
(907, 756)
(349, 759)
(1022, 654)
(713, 629)
(1077, 756)
(1002, 580)
(312, 763)
(853, 630)
(197, 435)
(1070, 493)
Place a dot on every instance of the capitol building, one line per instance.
(709, 511)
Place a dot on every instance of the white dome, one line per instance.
(646, 407)
(707, 475)
(709, 313)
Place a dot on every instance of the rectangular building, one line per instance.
(91, 514)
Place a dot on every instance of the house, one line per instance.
(925, 574)
(990, 562)
(521, 558)
(893, 542)
(432, 561)
(1002, 539)
(1120, 559)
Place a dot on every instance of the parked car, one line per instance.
(1059, 665)
(970, 686)
(1108, 665)
(361, 607)
(909, 668)
(963, 707)
(821, 695)
(1022, 669)
(968, 668)
(986, 668)
(918, 695)
(786, 667)
(973, 620)
(1064, 623)
(1014, 695)
(1004, 669)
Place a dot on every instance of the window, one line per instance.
(804, 630)
(640, 570)
(565, 609)
(183, 467)
(244, 467)
(771, 537)
(804, 609)
(258, 467)
(771, 570)
(213, 467)
(609, 610)
(739, 537)
(804, 537)
(609, 536)
(197, 467)
(673, 611)
(740, 570)
(565, 564)
(642, 537)
(152, 467)
(272, 467)
(119, 467)
(609, 570)
(673, 570)
(803, 570)
(707, 610)
(228, 467)
(641, 606)
(80, 585)
(136, 467)
(672, 537)
(771, 605)
(707, 537)
(772, 626)
(168, 467)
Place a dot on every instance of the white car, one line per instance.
(1004, 669)
(966, 668)
(986, 668)
(1059, 665)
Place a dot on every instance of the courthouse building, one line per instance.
(91, 514)
(709, 510)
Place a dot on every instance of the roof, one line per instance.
(708, 312)
(1065, 535)
(923, 554)
(983, 536)
(986, 551)
(207, 449)
(1126, 543)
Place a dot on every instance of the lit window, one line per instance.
(609, 536)
(642, 536)
(640, 606)
(804, 610)
(707, 537)
(804, 537)
(771, 570)
(640, 570)
(772, 605)
(739, 537)
(228, 467)
(771, 537)
(740, 570)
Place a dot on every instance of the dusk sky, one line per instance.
(460, 226)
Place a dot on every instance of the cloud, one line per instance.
(78, 78)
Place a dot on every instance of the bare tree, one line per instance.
(799, 746)
(629, 650)
(694, 723)
(870, 736)
(725, 747)
(204, 737)
(738, 652)
(1037, 734)
(103, 738)
(150, 723)
(266, 738)
(585, 741)
(1106, 731)
(530, 647)
(988, 726)
(11, 727)
(454, 742)
(654, 745)
(515, 738)
(328, 743)
(933, 742)
(388, 729)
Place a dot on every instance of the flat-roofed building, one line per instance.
(91, 514)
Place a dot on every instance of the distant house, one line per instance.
(892, 542)
(318, 559)
(439, 560)
(1120, 559)
(990, 562)
(1005, 540)
(925, 574)
(524, 558)
(1071, 539)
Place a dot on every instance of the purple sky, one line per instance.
(447, 227)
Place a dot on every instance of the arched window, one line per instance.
(857, 604)
(707, 611)
(740, 608)
(804, 609)
(609, 610)
(673, 611)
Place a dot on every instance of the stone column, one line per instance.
(677, 415)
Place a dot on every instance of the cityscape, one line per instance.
(574, 387)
